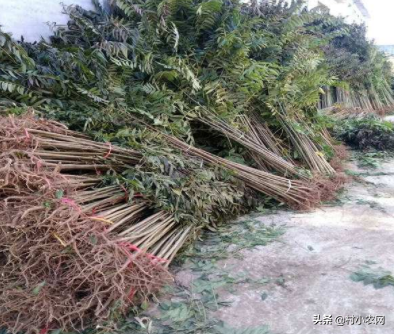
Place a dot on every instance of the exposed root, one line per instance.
(63, 269)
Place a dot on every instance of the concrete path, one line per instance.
(314, 259)
(389, 118)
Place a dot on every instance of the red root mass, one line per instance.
(62, 270)
(329, 187)
(59, 268)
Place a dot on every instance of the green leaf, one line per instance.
(38, 288)
(93, 239)
(145, 305)
(47, 204)
(59, 194)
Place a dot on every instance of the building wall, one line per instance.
(30, 18)
(344, 8)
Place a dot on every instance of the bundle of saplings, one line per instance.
(89, 228)
(364, 74)
(183, 115)
(250, 77)
(62, 264)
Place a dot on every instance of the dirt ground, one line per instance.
(314, 259)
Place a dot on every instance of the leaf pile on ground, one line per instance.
(369, 274)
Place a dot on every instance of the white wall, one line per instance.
(28, 18)
(344, 8)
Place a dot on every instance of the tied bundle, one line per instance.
(32, 148)
(77, 251)
(62, 265)
(298, 194)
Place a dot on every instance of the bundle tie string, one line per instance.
(126, 192)
(44, 330)
(288, 189)
(139, 250)
(109, 150)
(71, 203)
(131, 294)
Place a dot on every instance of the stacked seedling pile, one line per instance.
(199, 110)
(252, 75)
(77, 250)
(296, 193)
(37, 147)
(83, 244)
(61, 265)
